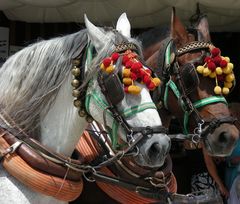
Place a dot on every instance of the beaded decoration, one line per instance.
(133, 71)
(219, 68)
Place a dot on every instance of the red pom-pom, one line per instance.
(215, 51)
(211, 66)
(149, 71)
(106, 62)
(126, 89)
(125, 59)
(146, 79)
(133, 76)
(207, 59)
(136, 66)
(129, 63)
(115, 56)
(223, 63)
(217, 60)
(142, 73)
(151, 86)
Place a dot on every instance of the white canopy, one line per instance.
(223, 15)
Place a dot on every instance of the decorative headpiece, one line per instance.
(133, 71)
(218, 68)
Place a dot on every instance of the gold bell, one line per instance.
(76, 71)
(82, 113)
(77, 103)
(159, 105)
(89, 118)
(75, 83)
(76, 62)
(76, 93)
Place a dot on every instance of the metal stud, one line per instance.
(75, 83)
(89, 118)
(76, 93)
(82, 113)
(77, 103)
(76, 71)
(76, 62)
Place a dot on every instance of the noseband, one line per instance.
(169, 65)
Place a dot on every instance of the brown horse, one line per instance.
(187, 95)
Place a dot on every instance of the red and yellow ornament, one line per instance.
(133, 71)
(220, 68)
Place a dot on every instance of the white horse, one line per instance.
(36, 97)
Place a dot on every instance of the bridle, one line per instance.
(169, 67)
(112, 89)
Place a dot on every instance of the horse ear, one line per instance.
(178, 30)
(123, 25)
(95, 34)
(203, 27)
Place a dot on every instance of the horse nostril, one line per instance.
(154, 150)
(223, 137)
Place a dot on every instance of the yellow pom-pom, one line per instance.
(227, 59)
(110, 69)
(227, 70)
(225, 90)
(230, 78)
(217, 90)
(156, 81)
(126, 73)
(228, 84)
(127, 81)
(218, 71)
(200, 69)
(212, 75)
(230, 66)
(134, 89)
(102, 67)
(206, 72)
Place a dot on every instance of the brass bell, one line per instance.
(76, 62)
(159, 105)
(75, 83)
(76, 93)
(82, 113)
(76, 71)
(77, 103)
(89, 118)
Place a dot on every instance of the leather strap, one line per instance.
(38, 162)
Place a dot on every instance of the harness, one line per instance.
(168, 67)
(112, 89)
(67, 168)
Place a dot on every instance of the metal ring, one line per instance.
(92, 180)
(196, 138)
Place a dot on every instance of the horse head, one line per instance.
(118, 99)
(191, 94)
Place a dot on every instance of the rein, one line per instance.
(171, 66)
(145, 185)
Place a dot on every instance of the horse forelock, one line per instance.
(31, 78)
(106, 51)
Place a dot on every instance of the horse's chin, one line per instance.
(142, 161)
